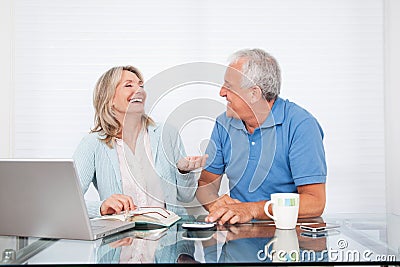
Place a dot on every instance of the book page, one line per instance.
(154, 215)
(143, 215)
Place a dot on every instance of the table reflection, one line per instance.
(261, 243)
(370, 240)
(162, 245)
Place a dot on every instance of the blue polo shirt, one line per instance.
(286, 151)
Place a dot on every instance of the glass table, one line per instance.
(372, 239)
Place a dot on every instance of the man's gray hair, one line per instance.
(261, 69)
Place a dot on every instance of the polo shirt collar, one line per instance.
(238, 124)
(277, 115)
(274, 118)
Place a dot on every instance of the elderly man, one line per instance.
(263, 143)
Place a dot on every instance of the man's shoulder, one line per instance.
(294, 113)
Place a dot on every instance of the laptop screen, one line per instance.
(42, 198)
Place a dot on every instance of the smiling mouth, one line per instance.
(134, 100)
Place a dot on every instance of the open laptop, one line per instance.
(43, 198)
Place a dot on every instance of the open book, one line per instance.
(145, 215)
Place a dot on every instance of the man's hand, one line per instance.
(234, 213)
(191, 163)
(117, 203)
(221, 202)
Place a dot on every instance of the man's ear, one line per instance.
(256, 94)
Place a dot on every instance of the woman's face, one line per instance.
(129, 95)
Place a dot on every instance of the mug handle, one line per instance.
(269, 202)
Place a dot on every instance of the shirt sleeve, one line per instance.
(215, 162)
(84, 160)
(307, 154)
(174, 150)
(186, 183)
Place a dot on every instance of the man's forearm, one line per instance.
(257, 209)
(312, 200)
(206, 194)
(310, 206)
(208, 187)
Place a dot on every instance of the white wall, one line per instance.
(330, 52)
(392, 107)
(392, 124)
(6, 81)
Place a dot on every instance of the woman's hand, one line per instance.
(117, 203)
(191, 163)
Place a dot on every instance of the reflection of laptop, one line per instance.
(43, 198)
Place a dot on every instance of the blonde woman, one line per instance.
(131, 160)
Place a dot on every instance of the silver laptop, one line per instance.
(43, 198)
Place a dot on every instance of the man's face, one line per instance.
(238, 98)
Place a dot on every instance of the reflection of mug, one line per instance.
(285, 246)
(285, 207)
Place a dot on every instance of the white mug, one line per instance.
(285, 207)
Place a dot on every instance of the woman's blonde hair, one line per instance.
(106, 123)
